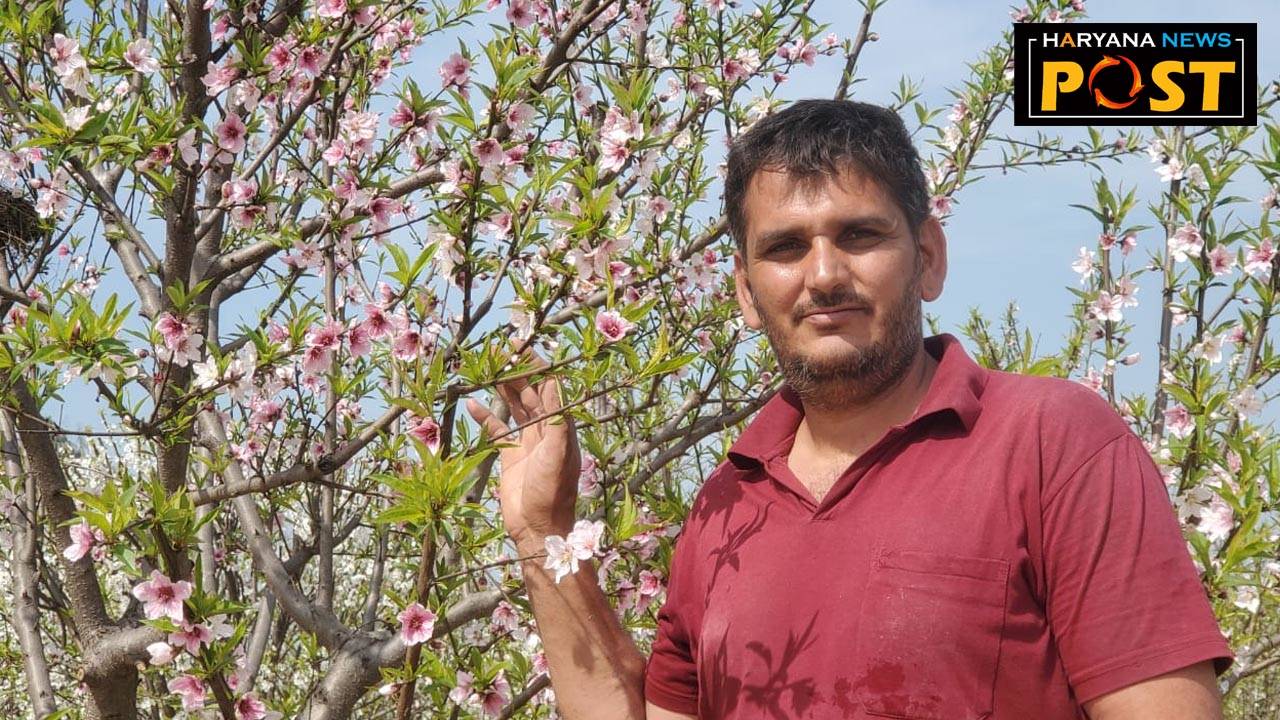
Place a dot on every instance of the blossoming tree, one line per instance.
(277, 259)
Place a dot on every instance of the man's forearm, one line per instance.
(596, 670)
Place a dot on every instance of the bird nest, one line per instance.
(20, 226)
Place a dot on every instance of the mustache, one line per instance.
(826, 302)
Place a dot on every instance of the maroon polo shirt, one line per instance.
(1008, 553)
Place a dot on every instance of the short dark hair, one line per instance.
(814, 140)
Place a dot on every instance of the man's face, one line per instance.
(848, 245)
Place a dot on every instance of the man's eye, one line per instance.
(784, 245)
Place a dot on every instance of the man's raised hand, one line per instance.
(539, 482)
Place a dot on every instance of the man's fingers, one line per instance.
(483, 415)
(511, 396)
(551, 400)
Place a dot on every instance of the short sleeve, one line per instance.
(1124, 598)
(671, 674)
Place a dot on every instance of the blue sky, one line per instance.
(1011, 238)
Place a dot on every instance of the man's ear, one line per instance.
(743, 290)
(932, 244)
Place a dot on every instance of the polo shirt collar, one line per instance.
(955, 389)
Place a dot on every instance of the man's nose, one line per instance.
(827, 267)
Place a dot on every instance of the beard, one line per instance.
(857, 374)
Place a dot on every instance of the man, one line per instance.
(898, 532)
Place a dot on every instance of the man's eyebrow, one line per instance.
(861, 222)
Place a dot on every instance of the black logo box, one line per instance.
(1237, 92)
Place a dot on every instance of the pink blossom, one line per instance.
(589, 479)
(161, 653)
(1126, 290)
(360, 125)
(159, 156)
(1179, 422)
(488, 152)
(65, 53)
(187, 147)
(327, 336)
(85, 538)
(456, 71)
(1210, 348)
(348, 408)
(51, 202)
(416, 624)
(402, 116)
(1217, 520)
(277, 333)
(249, 707)
(192, 690)
(1237, 335)
(940, 206)
(620, 128)
(335, 153)
(1092, 380)
(161, 597)
(244, 216)
(221, 28)
(613, 156)
(191, 637)
(1107, 307)
(612, 325)
(407, 345)
(138, 56)
(499, 226)
(239, 191)
(519, 115)
(735, 71)
(316, 360)
(309, 59)
(803, 52)
(280, 56)
(171, 328)
(561, 557)
(331, 8)
(230, 134)
(376, 321)
(504, 617)
(428, 433)
(186, 349)
(496, 696)
(218, 78)
(585, 538)
(462, 687)
(1186, 242)
(359, 340)
(520, 13)
(265, 412)
(382, 208)
(1258, 260)
(648, 590)
(1221, 261)
(650, 583)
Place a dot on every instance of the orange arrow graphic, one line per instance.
(1102, 100)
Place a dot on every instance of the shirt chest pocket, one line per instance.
(929, 635)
